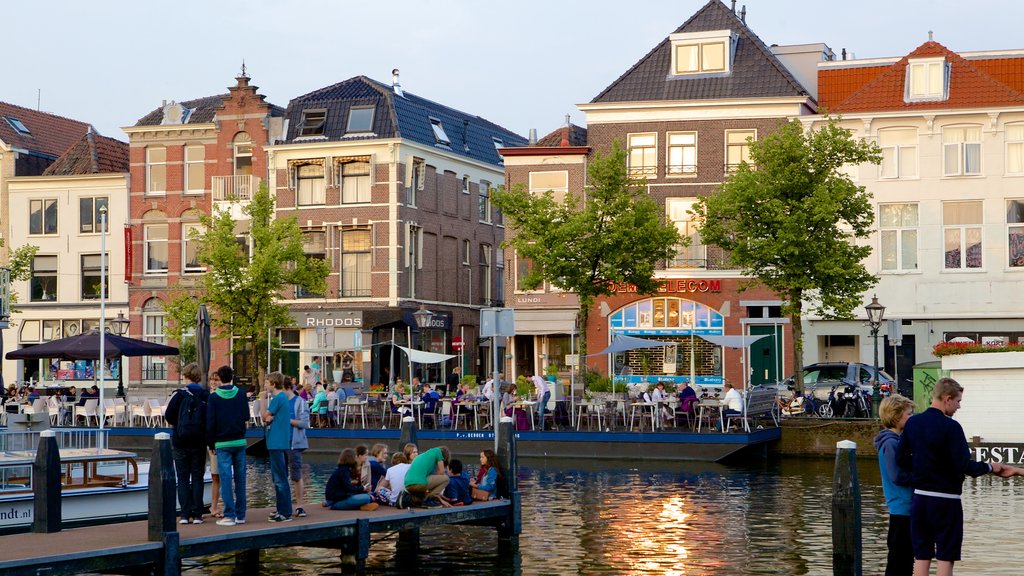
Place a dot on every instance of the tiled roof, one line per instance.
(835, 88)
(203, 110)
(1009, 71)
(756, 72)
(49, 134)
(969, 86)
(407, 116)
(93, 154)
(577, 136)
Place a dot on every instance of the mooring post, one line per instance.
(162, 495)
(846, 521)
(512, 526)
(408, 433)
(247, 561)
(355, 550)
(46, 488)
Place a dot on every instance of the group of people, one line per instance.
(924, 459)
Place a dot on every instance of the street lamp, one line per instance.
(875, 312)
(423, 318)
(119, 326)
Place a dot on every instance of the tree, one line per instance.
(613, 233)
(793, 222)
(242, 289)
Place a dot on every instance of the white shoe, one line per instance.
(240, 521)
(183, 521)
(226, 522)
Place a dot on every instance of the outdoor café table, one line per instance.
(643, 407)
(416, 406)
(589, 408)
(481, 408)
(357, 406)
(708, 409)
(527, 406)
(666, 410)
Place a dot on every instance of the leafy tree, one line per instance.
(20, 265)
(242, 290)
(793, 222)
(613, 233)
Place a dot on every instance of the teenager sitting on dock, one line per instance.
(393, 482)
(373, 470)
(458, 491)
(427, 477)
(485, 486)
(344, 491)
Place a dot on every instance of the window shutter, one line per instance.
(422, 175)
(408, 244)
(329, 177)
(373, 169)
(408, 172)
(293, 177)
(419, 248)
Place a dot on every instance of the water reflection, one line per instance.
(658, 518)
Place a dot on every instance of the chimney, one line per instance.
(565, 133)
(394, 83)
(733, 6)
(743, 14)
(844, 53)
(533, 137)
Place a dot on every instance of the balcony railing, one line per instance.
(234, 188)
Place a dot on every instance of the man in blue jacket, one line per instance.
(933, 447)
(226, 417)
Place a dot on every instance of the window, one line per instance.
(961, 150)
(195, 169)
(465, 184)
(694, 255)
(314, 245)
(42, 218)
(356, 262)
(485, 274)
(1015, 232)
(1015, 148)
(190, 249)
(245, 244)
(155, 247)
(418, 173)
(485, 201)
(898, 229)
(927, 79)
(89, 214)
(961, 230)
(43, 282)
(18, 125)
(737, 148)
(312, 123)
(524, 266)
(465, 252)
(642, 155)
(413, 255)
(355, 181)
(499, 279)
(156, 170)
(899, 152)
(153, 330)
(360, 119)
(682, 154)
(701, 52)
(309, 183)
(439, 134)
(557, 182)
(92, 268)
(497, 143)
(242, 149)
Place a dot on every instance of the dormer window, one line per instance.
(18, 126)
(439, 134)
(360, 119)
(312, 123)
(702, 52)
(927, 80)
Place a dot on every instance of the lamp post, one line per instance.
(875, 313)
(423, 318)
(119, 326)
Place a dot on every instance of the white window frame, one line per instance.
(1014, 141)
(47, 273)
(154, 329)
(465, 183)
(697, 251)
(354, 109)
(1014, 255)
(148, 244)
(702, 42)
(896, 153)
(648, 168)
(192, 165)
(486, 274)
(363, 183)
(899, 235)
(317, 120)
(962, 150)
(936, 80)
(357, 276)
(417, 175)
(682, 170)
(466, 247)
(317, 193)
(95, 223)
(964, 230)
(439, 133)
(484, 202)
(186, 242)
(742, 147)
(559, 192)
(150, 166)
(44, 203)
(499, 274)
(94, 271)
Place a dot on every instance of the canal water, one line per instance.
(659, 518)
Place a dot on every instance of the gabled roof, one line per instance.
(573, 134)
(756, 72)
(49, 134)
(203, 110)
(407, 116)
(93, 154)
(969, 86)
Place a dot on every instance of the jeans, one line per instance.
(282, 489)
(231, 464)
(189, 466)
(541, 407)
(353, 502)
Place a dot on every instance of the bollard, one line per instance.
(846, 519)
(408, 433)
(512, 526)
(162, 495)
(46, 488)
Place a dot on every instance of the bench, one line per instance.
(757, 403)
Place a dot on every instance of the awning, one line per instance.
(732, 341)
(421, 357)
(541, 322)
(622, 343)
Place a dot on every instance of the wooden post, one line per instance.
(46, 485)
(512, 526)
(171, 565)
(247, 561)
(846, 520)
(356, 549)
(408, 432)
(162, 495)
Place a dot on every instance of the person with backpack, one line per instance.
(186, 413)
(227, 415)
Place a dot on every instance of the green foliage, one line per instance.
(613, 233)
(595, 382)
(793, 222)
(468, 379)
(242, 291)
(20, 265)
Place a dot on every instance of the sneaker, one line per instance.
(226, 522)
(197, 521)
(300, 513)
(370, 507)
(183, 521)
(431, 503)
(279, 518)
(240, 521)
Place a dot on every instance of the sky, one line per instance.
(521, 65)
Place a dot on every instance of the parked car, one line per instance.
(820, 378)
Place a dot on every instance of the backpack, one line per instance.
(191, 426)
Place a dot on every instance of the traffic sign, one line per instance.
(457, 343)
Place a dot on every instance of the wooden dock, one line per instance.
(158, 544)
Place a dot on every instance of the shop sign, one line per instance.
(328, 319)
(673, 285)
